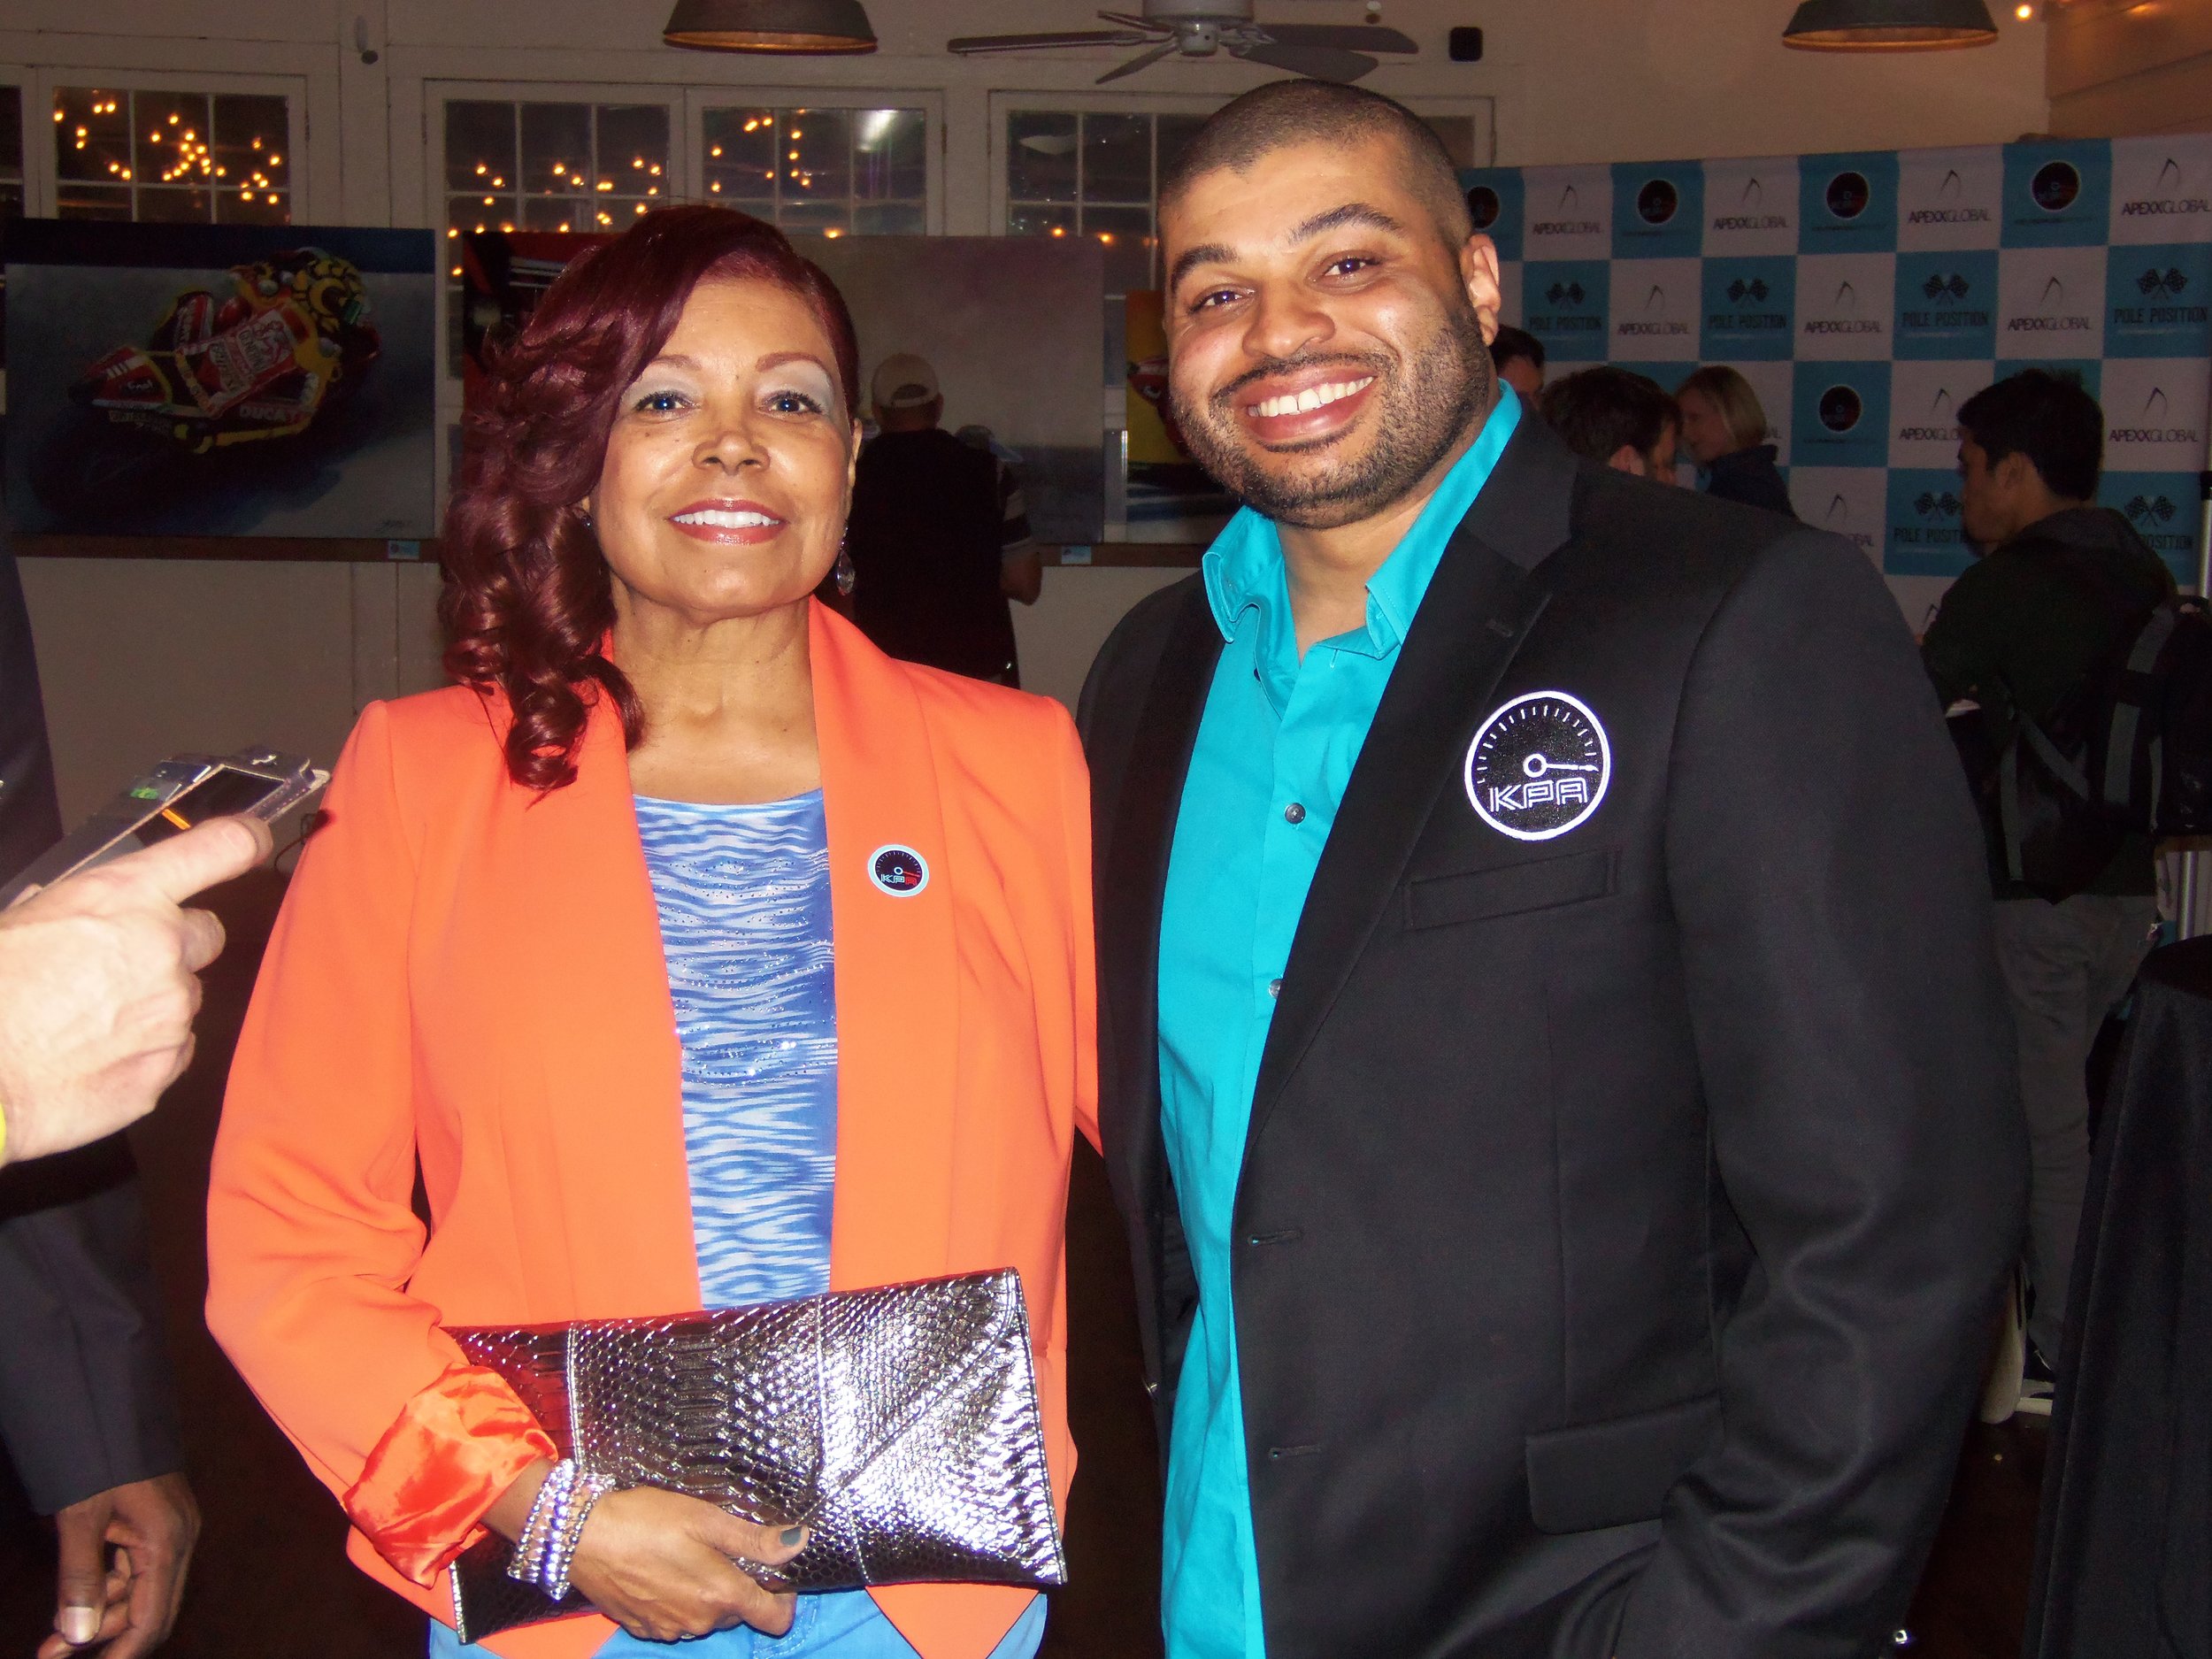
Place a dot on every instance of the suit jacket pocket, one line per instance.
(1608, 1474)
(1542, 885)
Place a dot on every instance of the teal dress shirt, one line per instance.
(1276, 747)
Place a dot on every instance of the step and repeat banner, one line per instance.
(1867, 295)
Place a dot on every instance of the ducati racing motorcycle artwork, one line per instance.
(259, 371)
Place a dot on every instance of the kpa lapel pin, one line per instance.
(898, 871)
(1538, 766)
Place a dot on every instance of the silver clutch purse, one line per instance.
(901, 1425)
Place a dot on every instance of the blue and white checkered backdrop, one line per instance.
(1867, 295)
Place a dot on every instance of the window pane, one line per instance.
(740, 154)
(555, 157)
(817, 150)
(251, 139)
(252, 207)
(1116, 158)
(802, 216)
(887, 218)
(173, 143)
(94, 201)
(1041, 149)
(1126, 235)
(10, 136)
(1024, 219)
(92, 136)
(479, 143)
(165, 206)
(890, 156)
(634, 148)
(466, 213)
(550, 212)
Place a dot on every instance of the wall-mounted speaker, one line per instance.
(1466, 46)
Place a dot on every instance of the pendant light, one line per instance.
(1889, 25)
(771, 25)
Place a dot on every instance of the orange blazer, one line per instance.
(468, 977)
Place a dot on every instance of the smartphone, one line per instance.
(180, 792)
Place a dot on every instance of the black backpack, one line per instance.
(2128, 750)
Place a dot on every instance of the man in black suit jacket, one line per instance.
(1627, 1168)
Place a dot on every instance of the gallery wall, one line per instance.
(143, 656)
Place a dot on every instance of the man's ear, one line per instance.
(2016, 473)
(1479, 272)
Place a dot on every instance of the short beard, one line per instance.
(1424, 408)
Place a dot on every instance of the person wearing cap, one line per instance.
(925, 541)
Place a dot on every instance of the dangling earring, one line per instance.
(848, 577)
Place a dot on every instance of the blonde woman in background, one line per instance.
(1725, 432)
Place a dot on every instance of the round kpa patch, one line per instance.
(1538, 766)
(899, 870)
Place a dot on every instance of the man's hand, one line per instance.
(97, 989)
(131, 1605)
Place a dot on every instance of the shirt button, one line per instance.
(1293, 813)
(1274, 987)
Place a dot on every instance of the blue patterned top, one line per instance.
(744, 899)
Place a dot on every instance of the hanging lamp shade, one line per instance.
(771, 25)
(1889, 25)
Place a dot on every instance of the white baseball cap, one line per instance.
(903, 380)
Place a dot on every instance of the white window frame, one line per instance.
(1004, 103)
(313, 176)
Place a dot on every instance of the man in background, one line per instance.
(1021, 568)
(1519, 360)
(2021, 632)
(1616, 418)
(926, 536)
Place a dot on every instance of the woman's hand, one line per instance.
(661, 1566)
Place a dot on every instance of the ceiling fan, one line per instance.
(1199, 28)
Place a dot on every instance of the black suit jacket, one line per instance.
(1621, 1214)
(85, 1400)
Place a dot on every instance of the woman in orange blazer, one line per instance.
(469, 977)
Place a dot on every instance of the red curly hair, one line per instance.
(528, 596)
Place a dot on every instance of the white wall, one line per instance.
(140, 657)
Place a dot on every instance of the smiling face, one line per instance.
(1326, 340)
(729, 468)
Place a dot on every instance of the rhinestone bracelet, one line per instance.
(541, 1526)
(561, 1543)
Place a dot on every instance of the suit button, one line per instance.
(1293, 813)
(1274, 987)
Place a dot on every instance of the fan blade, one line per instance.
(1316, 63)
(1344, 37)
(1142, 60)
(968, 45)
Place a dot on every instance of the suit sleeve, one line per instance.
(1857, 1061)
(312, 1232)
(86, 1403)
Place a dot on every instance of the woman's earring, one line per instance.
(847, 576)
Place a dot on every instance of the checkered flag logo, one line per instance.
(1938, 287)
(1566, 293)
(1928, 504)
(2168, 283)
(2151, 509)
(1754, 290)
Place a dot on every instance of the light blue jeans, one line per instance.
(843, 1624)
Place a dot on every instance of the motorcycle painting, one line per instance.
(288, 393)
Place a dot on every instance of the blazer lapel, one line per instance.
(898, 987)
(603, 1140)
(1132, 883)
(1479, 606)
